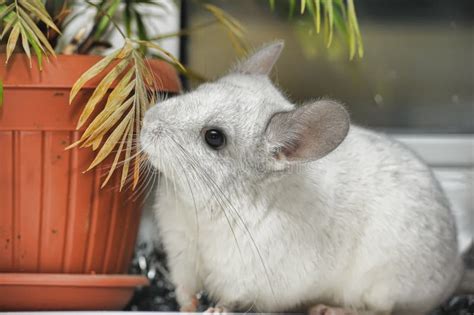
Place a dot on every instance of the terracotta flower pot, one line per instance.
(53, 217)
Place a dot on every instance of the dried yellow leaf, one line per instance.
(105, 122)
(112, 140)
(12, 40)
(96, 143)
(172, 58)
(41, 14)
(114, 163)
(101, 90)
(92, 72)
(24, 43)
(121, 90)
(128, 151)
(136, 171)
(31, 27)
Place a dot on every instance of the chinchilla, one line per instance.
(269, 206)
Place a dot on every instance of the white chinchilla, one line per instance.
(272, 207)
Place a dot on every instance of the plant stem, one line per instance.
(186, 31)
(89, 42)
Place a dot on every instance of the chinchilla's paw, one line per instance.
(217, 310)
(191, 307)
(321, 309)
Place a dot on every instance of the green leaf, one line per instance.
(141, 30)
(5, 10)
(8, 25)
(272, 4)
(127, 17)
(37, 50)
(292, 8)
(352, 16)
(303, 6)
(339, 22)
(330, 17)
(105, 20)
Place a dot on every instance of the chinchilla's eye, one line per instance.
(215, 138)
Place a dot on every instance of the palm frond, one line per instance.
(234, 29)
(119, 121)
(335, 15)
(19, 19)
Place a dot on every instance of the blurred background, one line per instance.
(416, 74)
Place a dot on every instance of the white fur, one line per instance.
(366, 226)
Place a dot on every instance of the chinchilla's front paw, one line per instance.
(217, 310)
(321, 309)
(190, 307)
(188, 302)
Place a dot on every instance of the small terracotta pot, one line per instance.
(53, 217)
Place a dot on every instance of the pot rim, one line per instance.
(62, 71)
(72, 280)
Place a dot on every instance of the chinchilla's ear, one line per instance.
(308, 132)
(262, 61)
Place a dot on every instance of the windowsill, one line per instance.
(441, 150)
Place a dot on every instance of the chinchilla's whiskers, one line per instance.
(189, 174)
(193, 165)
(140, 152)
(173, 180)
(160, 161)
(130, 159)
(148, 177)
(222, 195)
(212, 186)
(196, 218)
(250, 308)
(222, 203)
(146, 186)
